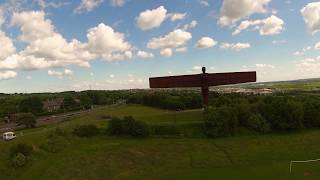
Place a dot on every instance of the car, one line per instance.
(8, 136)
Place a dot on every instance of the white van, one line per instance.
(8, 136)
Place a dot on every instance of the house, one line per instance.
(52, 105)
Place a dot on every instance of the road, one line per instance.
(48, 119)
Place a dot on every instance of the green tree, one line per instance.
(221, 121)
(31, 104)
(26, 119)
(85, 101)
(69, 102)
(258, 123)
(312, 113)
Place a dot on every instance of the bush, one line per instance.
(128, 126)
(56, 141)
(221, 121)
(258, 123)
(57, 132)
(86, 130)
(19, 160)
(140, 129)
(22, 149)
(115, 126)
(54, 144)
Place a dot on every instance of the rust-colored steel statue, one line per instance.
(203, 80)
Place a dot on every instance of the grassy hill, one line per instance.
(105, 157)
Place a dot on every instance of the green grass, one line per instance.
(103, 157)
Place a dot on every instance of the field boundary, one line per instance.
(306, 161)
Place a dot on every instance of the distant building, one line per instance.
(52, 105)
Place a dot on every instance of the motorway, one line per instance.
(45, 120)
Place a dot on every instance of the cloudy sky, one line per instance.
(62, 45)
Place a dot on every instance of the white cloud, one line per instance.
(28, 77)
(2, 19)
(118, 3)
(45, 47)
(309, 67)
(45, 3)
(27, 21)
(206, 42)
(204, 3)
(235, 10)
(303, 51)
(68, 72)
(270, 66)
(279, 41)
(269, 26)
(108, 44)
(196, 68)
(182, 49)
(174, 39)
(191, 25)
(60, 74)
(145, 55)
(5, 75)
(177, 16)
(245, 25)
(311, 15)
(112, 76)
(87, 5)
(7, 47)
(150, 19)
(317, 46)
(167, 52)
(235, 46)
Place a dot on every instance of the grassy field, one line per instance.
(104, 157)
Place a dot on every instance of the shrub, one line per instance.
(221, 121)
(57, 132)
(115, 126)
(86, 130)
(140, 129)
(258, 123)
(56, 141)
(22, 149)
(54, 144)
(128, 126)
(18, 160)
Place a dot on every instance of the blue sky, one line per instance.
(118, 44)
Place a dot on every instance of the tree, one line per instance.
(68, 102)
(85, 101)
(312, 113)
(258, 123)
(244, 112)
(283, 113)
(221, 121)
(26, 119)
(31, 104)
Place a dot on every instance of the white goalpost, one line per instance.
(306, 161)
